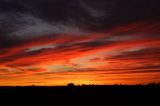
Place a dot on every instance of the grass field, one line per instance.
(82, 95)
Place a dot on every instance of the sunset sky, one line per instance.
(55, 42)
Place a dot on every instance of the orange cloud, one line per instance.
(120, 55)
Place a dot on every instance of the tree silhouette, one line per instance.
(70, 84)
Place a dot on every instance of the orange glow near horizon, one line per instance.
(82, 78)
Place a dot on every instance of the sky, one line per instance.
(55, 42)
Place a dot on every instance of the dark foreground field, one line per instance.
(81, 95)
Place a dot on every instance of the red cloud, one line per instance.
(121, 65)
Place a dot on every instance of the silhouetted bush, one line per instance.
(70, 85)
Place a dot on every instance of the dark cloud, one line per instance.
(25, 17)
(144, 53)
(28, 19)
